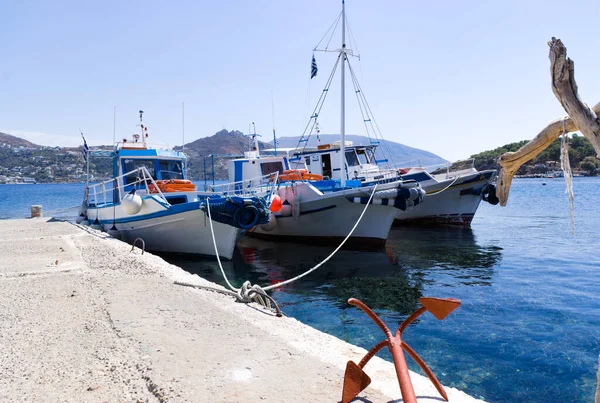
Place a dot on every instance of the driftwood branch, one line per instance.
(581, 117)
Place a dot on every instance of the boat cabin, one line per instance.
(360, 161)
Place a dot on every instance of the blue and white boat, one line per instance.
(150, 198)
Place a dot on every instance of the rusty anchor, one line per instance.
(356, 380)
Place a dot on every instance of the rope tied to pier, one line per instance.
(246, 293)
(255, 293)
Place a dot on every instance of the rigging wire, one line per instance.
(332, 32)
(332, 26)
(318, 107)
(375, 126)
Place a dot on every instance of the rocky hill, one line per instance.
(581, 157)
(13, 141)
(223, 145)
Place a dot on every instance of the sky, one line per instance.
(454, 78)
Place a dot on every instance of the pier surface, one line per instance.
(85, 319)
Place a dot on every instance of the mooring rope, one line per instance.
(248, 292)
(444, 189)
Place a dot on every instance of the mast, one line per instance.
(343, 104)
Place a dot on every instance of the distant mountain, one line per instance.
(14, 141)
(398, 153)
(222, 144)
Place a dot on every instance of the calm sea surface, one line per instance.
(528, 329)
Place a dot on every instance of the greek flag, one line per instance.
(313, 68)
(86, 149)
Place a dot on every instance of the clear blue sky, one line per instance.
(453, 78)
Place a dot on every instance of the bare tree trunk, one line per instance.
(582, 118)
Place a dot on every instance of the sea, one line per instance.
(528, 328)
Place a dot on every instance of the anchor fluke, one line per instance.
(440, 307)
(355, 381)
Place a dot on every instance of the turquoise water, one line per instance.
(528, 329)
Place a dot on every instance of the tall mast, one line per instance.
(343, 105)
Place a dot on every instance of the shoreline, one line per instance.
(86, 319)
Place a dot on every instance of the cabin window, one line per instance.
(271, 167)
(351, 158)
(170, 169)
(133, 164)
(371, 155)
(307, 159)
(362, 156)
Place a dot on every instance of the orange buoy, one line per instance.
(275, 204)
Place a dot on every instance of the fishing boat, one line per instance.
(452, 194)
(150, 203)
(453, 191)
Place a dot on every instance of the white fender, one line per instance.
(132, 203)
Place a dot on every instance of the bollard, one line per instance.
(36, 211)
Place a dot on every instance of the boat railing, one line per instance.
(455, 168)
(261, 186)
(110, 191)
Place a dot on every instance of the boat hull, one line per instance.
(327, 218)
(182, 228)
(455, 205)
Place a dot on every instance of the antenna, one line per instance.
(182, 126)
(274, 136)
(114, 123)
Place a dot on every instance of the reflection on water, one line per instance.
(451, 255)
(391, 279)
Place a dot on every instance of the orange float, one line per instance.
(275, 204)
(299, 175)
(172, 185)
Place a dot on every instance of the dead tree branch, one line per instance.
(580, 117)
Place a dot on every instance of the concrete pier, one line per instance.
(84, 319)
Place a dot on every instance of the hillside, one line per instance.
(398, 153)
(581, 157)
(222, 145)
(13, 141)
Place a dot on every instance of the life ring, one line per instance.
(246, 217)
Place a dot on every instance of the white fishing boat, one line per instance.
(321, 211)
(150, 202)
(453, 192)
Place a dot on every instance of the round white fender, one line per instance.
(132, 203)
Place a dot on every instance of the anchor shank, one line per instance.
(406, 386)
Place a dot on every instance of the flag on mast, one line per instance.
(86, 149)
(313, 67)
